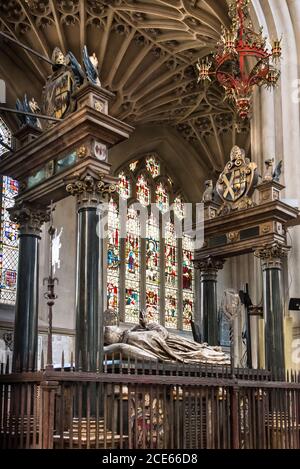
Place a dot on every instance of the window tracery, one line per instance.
(158, 274)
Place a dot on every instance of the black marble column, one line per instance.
(30, 220)
(87, 292)
(208, 293)
(90, 192)
(271, 258)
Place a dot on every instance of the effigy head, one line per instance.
(112, 335)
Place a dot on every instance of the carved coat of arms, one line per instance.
(238, 180)
(57, 94)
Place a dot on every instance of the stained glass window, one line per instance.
(161, 268)
(8, 244)
(187, 281)
(132, 282)
(153, 166)
(113, 256)
(124, 186)
(152, 270)
(5, 136)
(179, 208)
(171, 280)
(162, 198)
(143, 193)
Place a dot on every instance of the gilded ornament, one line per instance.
(99, 106)
(233, 236)
(81, 152)
(237, 182)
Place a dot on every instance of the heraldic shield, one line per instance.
(238, 180)
(57, 94)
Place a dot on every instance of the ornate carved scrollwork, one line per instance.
(209, 267)
(272, 255)
(29, 217)
(90, 190)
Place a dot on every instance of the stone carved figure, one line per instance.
(272, 174)
(208, 195)
(268, 175)
(153, 342)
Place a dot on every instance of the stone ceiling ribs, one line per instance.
(147, 53)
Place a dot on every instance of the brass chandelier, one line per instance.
(242, 60)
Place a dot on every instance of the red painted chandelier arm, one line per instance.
(241, 17)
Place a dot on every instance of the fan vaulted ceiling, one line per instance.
(147, 52)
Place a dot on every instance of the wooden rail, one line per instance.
(131, 404)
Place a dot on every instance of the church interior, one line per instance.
(149, 230)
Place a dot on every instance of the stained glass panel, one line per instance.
(171, 279)
(143, 193)
(132, 282)
(113, 256)
(5, 136)
(8, 244)
(124, 186)
(153, 166)
(187, 281)
(162, 198)
(152, 270)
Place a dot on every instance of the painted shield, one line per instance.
(58, 92)
(234, 184)
(238, 178)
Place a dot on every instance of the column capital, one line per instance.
(209, 267)
(272, 255)
(90, 189)
(209, 263)
(29, 217)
